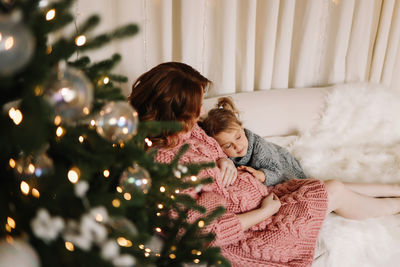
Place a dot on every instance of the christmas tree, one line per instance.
(79, 185)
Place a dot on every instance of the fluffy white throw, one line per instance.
(357, 139)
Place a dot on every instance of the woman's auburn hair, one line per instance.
(171, 91)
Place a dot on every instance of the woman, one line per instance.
(262, 226)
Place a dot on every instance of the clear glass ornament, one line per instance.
(18, 253)
(33, 165)
(69, 92)
(16, 44)
(135, 179)
(117, 122)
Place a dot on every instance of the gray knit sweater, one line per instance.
(275, 161)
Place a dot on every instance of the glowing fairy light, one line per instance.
(141, 246)
(35, 193)
(148, 142)
(24, 187)
(193, 178)
(81, 139)
(93, 123)
(106, 80)
(73, 175)
(80, 40)
(123, 242)
(99, 217)
(11, 222)
(158, 229)
(119, 189)
(106, 173)
(69, 246)
(127, 196)
(162, 189)
(160, 206)
(86, 110)
(51, 14)
(172, 256)
(116, 203)
(158, 214)
(57, 120)
(12, 163)
(15, 115)
(196, 260)
(200, 224)
(9, 43)
(177, 191)
(60, 131)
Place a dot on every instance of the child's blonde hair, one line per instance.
(221, 118)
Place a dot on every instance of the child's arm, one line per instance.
(290, 163)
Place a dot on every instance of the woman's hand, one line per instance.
(271, 204)
(228, 171)
(259, 175)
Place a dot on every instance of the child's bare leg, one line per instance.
(352, 205)
(375, 190)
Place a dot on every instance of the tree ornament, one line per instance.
(18, 253)
(37, 165)
(135, 179)
(16, 44)
(69, 92)
(117, 122)
(123, 225)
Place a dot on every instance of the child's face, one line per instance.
(233, 142)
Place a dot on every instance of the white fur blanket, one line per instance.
(357, 139)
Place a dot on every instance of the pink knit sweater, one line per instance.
(286, 239)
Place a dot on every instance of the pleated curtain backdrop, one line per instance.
(248, 45)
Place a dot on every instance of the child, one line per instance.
(269, 163)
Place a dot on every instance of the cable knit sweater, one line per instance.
(286, 239)
(275, 161)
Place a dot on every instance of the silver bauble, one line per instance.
(69, 92)
(16, 45)
(135, 179)
(117, 122)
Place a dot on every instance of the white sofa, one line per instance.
(349, 132)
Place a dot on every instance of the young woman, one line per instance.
(262, 226)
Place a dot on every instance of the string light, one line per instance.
(80, 40)
(119, 189)
(8, 228)
(106, 80)
(81, 139)
(123, 242)
(193, 178)
(9, 239)
(51, 14)
(160, 206)
(15, 115)
(172, 256)
(60, 131)
(57, 120)
(196, 260)
(147, 250)
(146, 254)
(38, 91)
(173, 248)
(12, 163)
(148, 142)
(158, 229)
(158, 214)
(99, 217)
(35, 193)
(141, 246)
(93, 123)
(86, 110)
(49, 49)
(127, 196)
(11, 222)
(116, 203)
(24, 187)
(69, 246)
(200, 224)
(73, 175)
(106, 173)
(162, 189)
(177, 191)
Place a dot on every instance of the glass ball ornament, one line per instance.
(17, 44)
(135, 179)
(33, 166)
(69, 92)
(117, 122)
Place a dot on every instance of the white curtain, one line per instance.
(247, 45)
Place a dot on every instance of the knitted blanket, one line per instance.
(357, 139)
